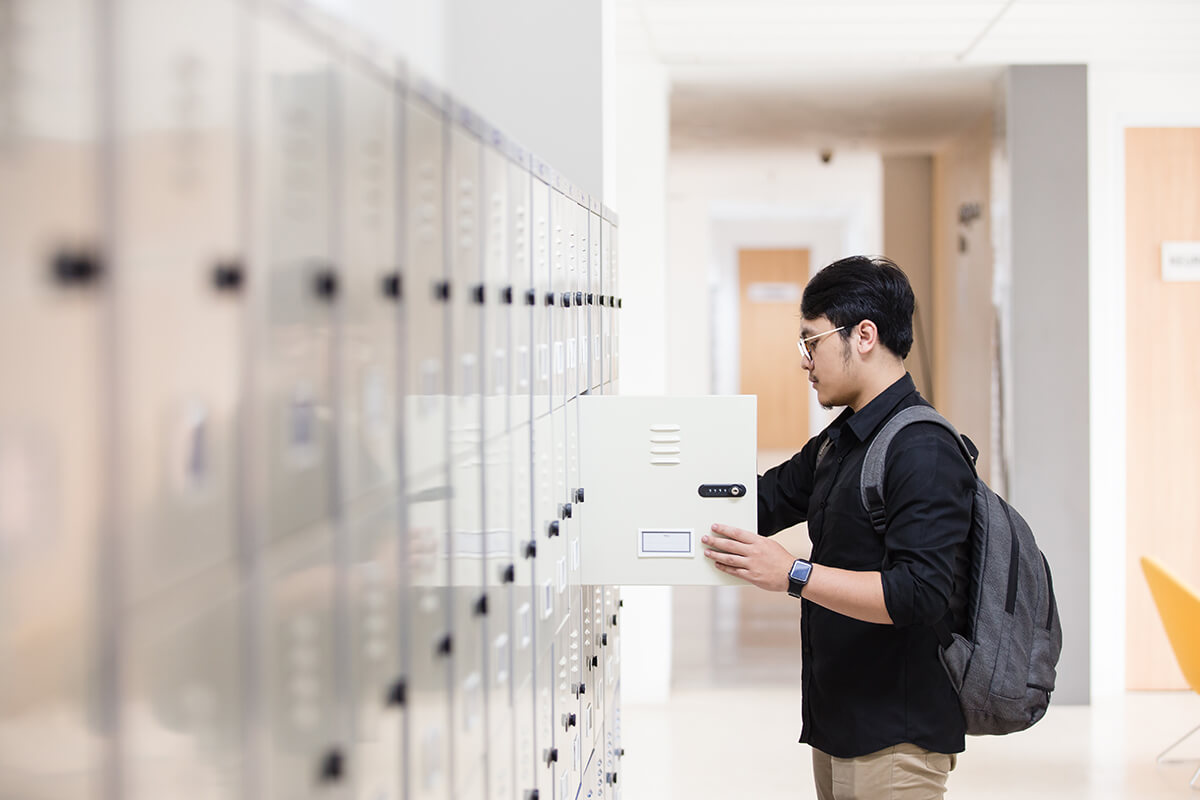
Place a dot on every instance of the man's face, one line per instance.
(831, 368)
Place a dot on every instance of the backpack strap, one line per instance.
(871, 483)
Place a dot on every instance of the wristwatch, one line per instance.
(798, 576)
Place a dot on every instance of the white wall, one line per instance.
(720, 201)
(534, 69)
(1117, 98)
(640, 121)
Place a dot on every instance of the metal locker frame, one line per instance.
(521, 240)
(54, 412)
(426, 580)
(499, 477)
(294, 291)
(469, 543)
(295, 282)
(592, 292)
(369, 364)
(179, 331)
(178, 393)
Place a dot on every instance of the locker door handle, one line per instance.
(564, 511)
(393, 287)
(441, 291)
(549, 298)
(568, 721)
(579, 495)
(531, 550)
(76, 268)
(530, 298)
(595, 661)
(481, 606)
(591, 299)
(552, 756)
(398, 695)
(604, 640)
(566, 300)
(509, 575)
(506, 295)
(325, 282)
(614, 620)
(332, 766)
(553, 528)
(579, 298)
(620, 302)
(228, 276)
(445, 646)
(479, 294)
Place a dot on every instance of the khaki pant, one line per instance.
(900, 772)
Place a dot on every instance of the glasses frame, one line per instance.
(802, 343)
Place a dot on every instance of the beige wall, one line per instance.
(719, 201)
(908, 240)
(963, 313)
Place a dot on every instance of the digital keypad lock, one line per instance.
(722, 490)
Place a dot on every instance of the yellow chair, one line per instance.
(1179, 608)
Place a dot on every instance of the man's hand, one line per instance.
(753, 558)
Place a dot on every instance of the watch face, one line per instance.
(800, 572)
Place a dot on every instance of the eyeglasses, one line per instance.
(802, 344)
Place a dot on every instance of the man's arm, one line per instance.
(784, 490)
(765, 563)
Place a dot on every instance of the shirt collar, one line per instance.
(864, 422)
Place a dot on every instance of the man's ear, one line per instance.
(868, 336)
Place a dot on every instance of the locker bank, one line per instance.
(296, 451)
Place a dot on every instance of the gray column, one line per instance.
(1047, 140)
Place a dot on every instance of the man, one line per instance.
(879, 711)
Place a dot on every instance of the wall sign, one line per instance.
(773, 292)
(1181, 261)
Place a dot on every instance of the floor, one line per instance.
(728, 744)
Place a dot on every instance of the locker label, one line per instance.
(665, 543)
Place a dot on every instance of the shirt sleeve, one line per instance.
(929, 491)
(784, 491)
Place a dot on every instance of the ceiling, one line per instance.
(886, 74)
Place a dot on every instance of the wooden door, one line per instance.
(1162, 346)
(771, 283)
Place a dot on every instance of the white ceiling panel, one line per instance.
(883, 73)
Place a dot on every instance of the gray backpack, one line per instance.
(1003, 668)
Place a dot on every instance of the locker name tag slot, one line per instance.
(657, 543)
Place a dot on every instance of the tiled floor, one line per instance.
(729, 744)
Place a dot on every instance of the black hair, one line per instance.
(864, 287)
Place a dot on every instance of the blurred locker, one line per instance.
(296, 286)
(592, 292)
(429, 643)
(368, 420)
(469, 542)
(610, 659)
(521, 453)
(54, 324)
(615, 304)
(500, 498)
(606, 293)
(179, 280)
(546, 543)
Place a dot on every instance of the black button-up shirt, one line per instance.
(868, 686)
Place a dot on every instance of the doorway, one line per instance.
(770, 284)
